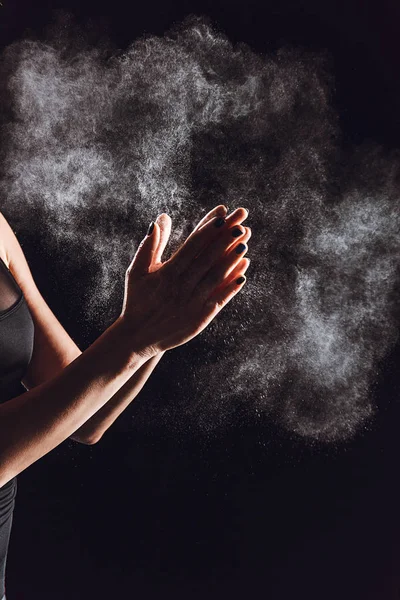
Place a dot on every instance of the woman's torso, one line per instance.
(16, 334)
(16, 347)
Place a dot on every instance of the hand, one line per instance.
(172, 302)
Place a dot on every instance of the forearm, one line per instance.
(91, 431)
(34, 423)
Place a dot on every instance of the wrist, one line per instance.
(134, 339)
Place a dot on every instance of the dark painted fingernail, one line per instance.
(236, 232)
(240, 248)
(219, 222)
(240, 280)
(150, 229)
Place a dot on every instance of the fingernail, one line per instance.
(236, 233)
(219, 222)
(240, 280)
(150, 229)
(240, 248)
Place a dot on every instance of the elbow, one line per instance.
(87, 441)
(93, 440)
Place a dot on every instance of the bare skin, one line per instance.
(165, 305)
(96, 426)
(194, 284)
(3, 256)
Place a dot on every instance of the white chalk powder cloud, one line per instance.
(96, 142)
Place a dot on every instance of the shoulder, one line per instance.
(14, 257)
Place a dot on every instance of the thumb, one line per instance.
(144, 254)
(164, 223)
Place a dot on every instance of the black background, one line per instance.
(252, 513)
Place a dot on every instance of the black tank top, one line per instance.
(16, 346)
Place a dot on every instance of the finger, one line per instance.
(220, 297)
(144, 255)
(220, 272)
(243, 239)
(212, 255)
(164, 223)
(238, 216)
(186, 254)
(218, 211)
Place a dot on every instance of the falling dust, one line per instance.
(97, 142)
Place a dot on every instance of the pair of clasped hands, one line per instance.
(171, 302)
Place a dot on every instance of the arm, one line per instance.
(93, 429)
(34, 423)
(55, 345)
(54, 349)
(165, 306)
